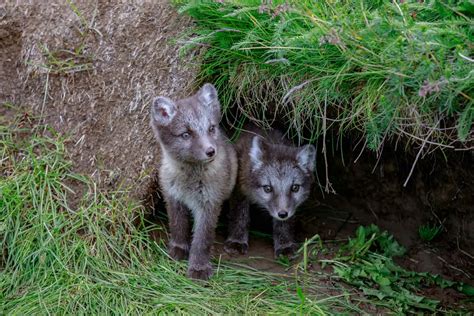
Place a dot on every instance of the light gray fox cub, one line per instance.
(198, 171)
(275, 176)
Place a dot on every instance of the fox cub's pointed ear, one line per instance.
(208, 95)
(306, 158)
(256, 153)
(163, 110)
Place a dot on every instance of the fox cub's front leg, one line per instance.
(283, 237)
(179, 222)
(205, 223)
(238, 226)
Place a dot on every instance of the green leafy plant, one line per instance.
(370, 238)
(366, 261)
(428, 232)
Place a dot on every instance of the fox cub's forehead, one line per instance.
(194, 115)
(283, 171)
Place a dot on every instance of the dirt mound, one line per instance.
(10, 49)
(91, 69)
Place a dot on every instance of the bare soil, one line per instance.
(91, 71)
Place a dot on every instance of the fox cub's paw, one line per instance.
(286, 250)
(178, 252)
(199, 272)
(234, 247)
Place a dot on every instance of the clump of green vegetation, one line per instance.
(65, 61)
(366, 261)
(382, 69)
(428, 232)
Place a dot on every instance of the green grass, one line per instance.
(380, 69)
(428, 232)
(96, 257)
(73, 58)
(65, 61)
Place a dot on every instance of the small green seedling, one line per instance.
(283, 260)
(428, 232)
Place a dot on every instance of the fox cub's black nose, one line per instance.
(210, 152)
(282, 214)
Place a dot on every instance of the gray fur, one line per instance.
(267, 159)
(193, 182)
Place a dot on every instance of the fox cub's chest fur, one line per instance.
(198, 186)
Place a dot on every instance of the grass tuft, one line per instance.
(381, 69)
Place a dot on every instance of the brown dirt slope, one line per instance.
(91, 69)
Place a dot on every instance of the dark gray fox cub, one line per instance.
(198, 171)
(275, 176)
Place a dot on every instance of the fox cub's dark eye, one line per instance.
(212, 129)
(295, 188)
(267, 189)
(185, 135)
